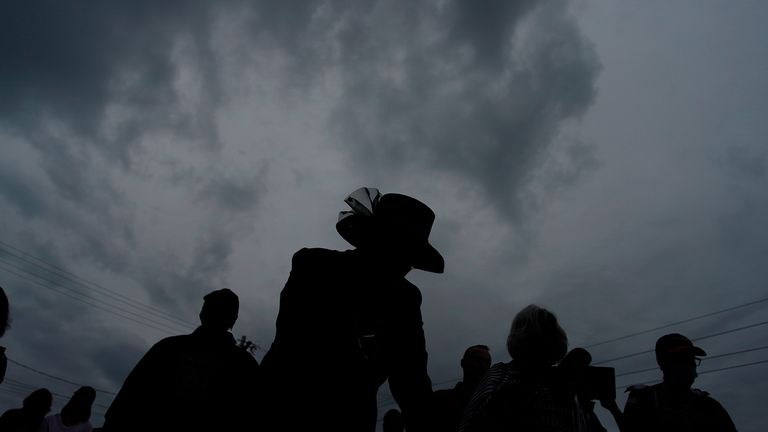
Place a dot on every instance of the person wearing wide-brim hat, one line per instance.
(348, 321)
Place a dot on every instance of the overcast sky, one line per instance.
(606, 160)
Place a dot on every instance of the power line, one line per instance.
(66, 274)
(733, 367)
(712, 357)
(98, 290)
(178, 328)
(708, 371)
(86, 295)
(746, 327)
(46, 374)
(28, 388)
(52, 288)
(687, 320)
(627, 336)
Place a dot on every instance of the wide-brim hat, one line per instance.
(405, 217)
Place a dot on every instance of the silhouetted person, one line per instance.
(348, 321)
(76, 414)
(521, 395)
(200, 381)
(393, 421)
(5, 324)
(673, 405)
(448, 405)
(30, 416)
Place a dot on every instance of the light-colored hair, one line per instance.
(536, 337)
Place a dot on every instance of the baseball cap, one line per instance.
(675, 343)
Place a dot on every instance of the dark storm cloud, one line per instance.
(236, 194)
(474, 88)
(64, 63)
(19, 190)
(86, 85)
(477, 89)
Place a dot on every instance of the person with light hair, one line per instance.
(521, 394)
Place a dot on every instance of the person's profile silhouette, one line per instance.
(200, 381)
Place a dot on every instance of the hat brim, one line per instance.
(429, 259)
(698, 351)
(354, 228)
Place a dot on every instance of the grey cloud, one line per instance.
(65, 63)
(238, 194)
(179, 287)
(21, 192)
(487, 27)
(89, 86)
(487, 113)
(747, 161)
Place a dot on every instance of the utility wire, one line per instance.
(28, 388)
(52, 288)
(46, 374)
(89, 289)
(712, 357)
(66, 274)
(672, 324)
(176, 329)
(746, 327)
(743, 365)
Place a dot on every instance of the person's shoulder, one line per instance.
(709, 407)
(311, 257)
(700, 393)
(171, 343)
(444, 392)
(11, 413)
(703, 398)
(316, 253)
(244, 358)
(643, 388)
(502, 372)
(501, 366)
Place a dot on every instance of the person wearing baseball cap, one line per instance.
(673, 405)
(349, 321)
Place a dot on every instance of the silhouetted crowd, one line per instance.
(350, 321)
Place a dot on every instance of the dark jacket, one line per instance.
(448, 406)
(200, 381)
(651, 408)
(342, 330)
